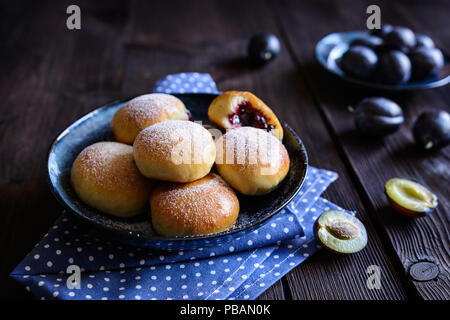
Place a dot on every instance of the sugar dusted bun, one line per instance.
(105, 177)
(204, 206)
(143, 111)
(234, 109)
(251, 160)
(174, 150)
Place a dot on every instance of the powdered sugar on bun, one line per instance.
(247, 147)
(204, 206)
(143, 111)
(175, 150)
(105, 177)
(251, 160)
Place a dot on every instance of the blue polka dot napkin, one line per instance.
(110, 269)
(193, 82)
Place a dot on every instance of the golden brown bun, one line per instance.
(204, 206)
(226, 111)
(174, 150)
(143, 111)
(251, 160)
(105, 177)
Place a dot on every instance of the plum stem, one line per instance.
(351, 109)
(428, 145)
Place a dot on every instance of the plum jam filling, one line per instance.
(245, 115)
(189, 114)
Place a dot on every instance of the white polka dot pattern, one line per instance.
(193, 82)
(241, 269)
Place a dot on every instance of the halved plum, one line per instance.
(340, 232)
(410, 198)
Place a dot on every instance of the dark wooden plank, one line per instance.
(54, 76)
(58, 75)
(275, 292)
(210, 43)
(374, 162)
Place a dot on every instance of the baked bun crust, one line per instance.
(105, 177)
(204, 206)
(174, 150)
(251, 160)
(143, 111)
(234, 109)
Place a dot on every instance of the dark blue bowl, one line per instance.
(330, 49)
(94, 127)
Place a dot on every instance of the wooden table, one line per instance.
(51, 76)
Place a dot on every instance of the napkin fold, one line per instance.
(111, 269)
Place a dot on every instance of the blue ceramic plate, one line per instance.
(94, 127)
(330, 49)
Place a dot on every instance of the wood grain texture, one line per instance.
(54, 76)
(220, 50)
(373, 162)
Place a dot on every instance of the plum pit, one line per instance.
(340, 232)
(343, 230)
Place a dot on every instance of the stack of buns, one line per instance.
(162, 158)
